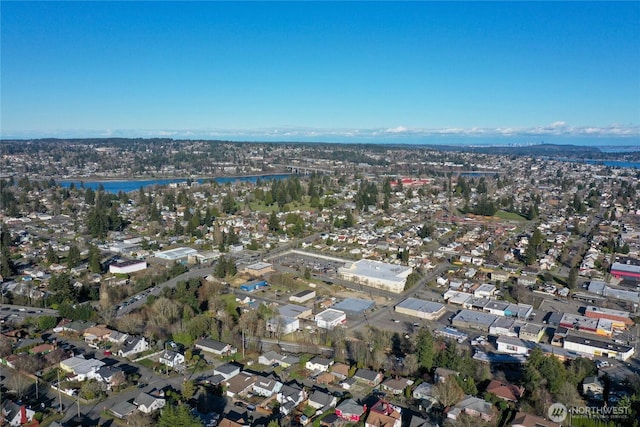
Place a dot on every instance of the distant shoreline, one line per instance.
(182, 178)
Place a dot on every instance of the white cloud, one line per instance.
(558, 128)
(399, 129)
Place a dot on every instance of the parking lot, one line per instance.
(315, 265)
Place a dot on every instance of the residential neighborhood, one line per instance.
(401, 286)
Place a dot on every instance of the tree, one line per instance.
(188, 389)
(448, 392)
(19, 384)
(178, 415)
(94, 259)
(274, 224)
(73, 258)
(573, 278)
(7, 267)
(47, 322)
(51, 255)
(425, 349)
(91, 389)
(139, 419)
(6, 348)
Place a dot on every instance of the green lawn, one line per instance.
(510, 216)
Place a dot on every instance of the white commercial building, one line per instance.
(176, 254)
(380, 275)
(597, 348)
(330, 318)
(126, 267)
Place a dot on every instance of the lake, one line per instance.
(127, 186)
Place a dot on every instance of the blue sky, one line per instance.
(361, 71)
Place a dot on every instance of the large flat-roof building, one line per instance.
(590, 325)
(625, 271)
(621, 319)
(258, 268)
(422, 309)
(354, 307)
(330, 318)
(597, 348)
(303, 296)
(295, 311)
(126, 267)
(471, 319)
(380, 275)
(176, 254)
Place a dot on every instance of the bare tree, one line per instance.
(130, 323)
(139, 419)
(165, 310)
(448, 392)
(18, 384)
(6, 347)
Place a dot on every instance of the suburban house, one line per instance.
(383, 414)
(96, 334)
(368, 377)
(528, 420)
(16, 415)
(271, 357)
(441, 374)
(240, 384)
(505, 391)
(108, 375)
(117, 337)
(396, 386)
(318, 364)
(265, 386)
(123, 409)
(133, 346)
(149, 403)
(228, 370)
(593, 387)
(320, 399)
(171, 358)
(81, 368)
(350, 410)
(474, 407)
(290, 396)
(216, 347)
(340, 370)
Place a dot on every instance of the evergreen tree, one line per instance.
(425, 349)
(73, 257)
(94, 259)
(178, 415)
(7, 267)
(51, 255)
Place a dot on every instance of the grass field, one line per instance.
(510, 216)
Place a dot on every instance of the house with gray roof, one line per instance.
(290, 396)
(228, 370)
(320, 399)
(123, 409)
(148, 403)
(367, 376)
(133, 345)
(216, 347)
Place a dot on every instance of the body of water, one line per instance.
(611, 163)
(126, 186)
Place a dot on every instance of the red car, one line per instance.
(107, 353)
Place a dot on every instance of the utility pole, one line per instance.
(59, 393)
(243, 344)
